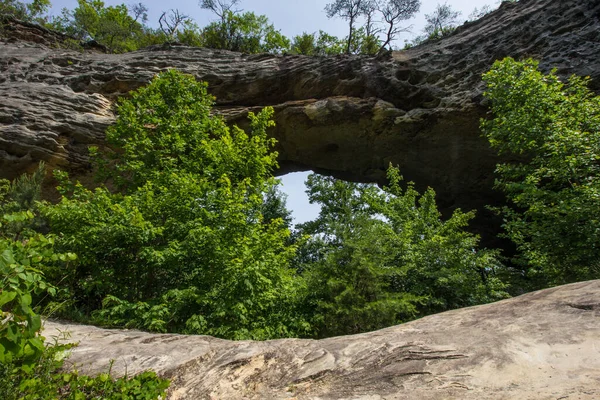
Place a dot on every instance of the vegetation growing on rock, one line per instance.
(196, 239)
(183, 246)
(195, 236)
(376, 258)
(123, 28)
(552, 130)
(30, 368)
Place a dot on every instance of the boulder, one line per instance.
(541, 345)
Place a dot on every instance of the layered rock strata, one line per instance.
(349, 116)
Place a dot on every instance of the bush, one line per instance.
(47, 380)
(29, 369)
(378, 258)
(551, 130)
(183, 246)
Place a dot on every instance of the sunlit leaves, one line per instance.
(552, 130)
(377, 258)
(21, 261)
(184, 246)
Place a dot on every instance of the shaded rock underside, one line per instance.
(347, 116)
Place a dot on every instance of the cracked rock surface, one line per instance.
(541, 345)
(349, 116)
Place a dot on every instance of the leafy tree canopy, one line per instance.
(31, 12)
(246, 32)
(377, 258)
(184, 247)
(553, 129)
(118, 27)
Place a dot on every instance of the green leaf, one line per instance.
(6, 297)
(37, 343)
(35, 323)
(7, 257)
(26, 300)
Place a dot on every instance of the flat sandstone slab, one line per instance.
(542, 345)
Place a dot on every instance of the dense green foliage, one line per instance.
(47, 381)
(29, 369)
(374, 25)
(246, 32)
(32, 11)
(112, 26)
(184, 245)
(188, 232)
(312, 45)
(379, 258)
(122, 28)
(327, 45)
(196, 237)
(22, 253)
(20, 261)
(551, 129)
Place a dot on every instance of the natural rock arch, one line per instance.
(349, 116)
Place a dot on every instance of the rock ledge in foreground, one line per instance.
(542, 345)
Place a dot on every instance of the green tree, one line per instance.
(377, 258)
(344, 263)
(551, 130)
(184, 245)
(22, 253)
(29, 367)
(362, 43)
(32, 11)
(20, 260)
(441, 22)
(246, 32)
(190, 34)
(304, 44)
(349, 10)
(174, 27)
(111, 26)
(275, 207)
(329, 45)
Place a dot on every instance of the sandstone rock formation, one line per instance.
(349, 116)
(542, 345)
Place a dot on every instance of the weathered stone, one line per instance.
(348, 116)
(542, 345)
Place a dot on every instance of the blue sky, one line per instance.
(292, 17)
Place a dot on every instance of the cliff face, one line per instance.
(348, 116)
(495, 351)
